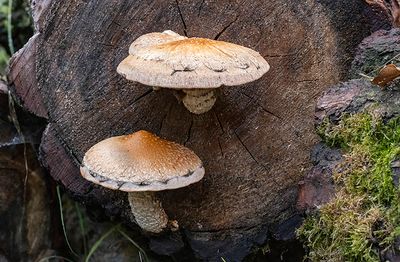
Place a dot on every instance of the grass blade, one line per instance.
(82, 226)
(141, 251)
(99, 241)
(62, 221)
(15, 121)
(9, 27)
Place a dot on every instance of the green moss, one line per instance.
(364, 216)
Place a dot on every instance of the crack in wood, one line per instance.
(118, 115)
(307, 80)
(262, 107)
(182, 18)
(164, 118)
(248, 150)
(113, 22)
(64, 144)
(189, 132)
(232, 22)
(201, 7)
(219, 122)
(220, 147)
(142, 96)
(226, 28)
(269, 112)
(108, 82)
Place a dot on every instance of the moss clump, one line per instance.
(363, 218)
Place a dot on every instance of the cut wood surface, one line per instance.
(23, 76)
(255, 142)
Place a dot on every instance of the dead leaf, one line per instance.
(387, 74)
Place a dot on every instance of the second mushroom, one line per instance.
(140, 164)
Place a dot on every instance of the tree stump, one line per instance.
(255, 142)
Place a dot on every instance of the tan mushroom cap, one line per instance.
(173, 61)
(141, 162)
(151, 39)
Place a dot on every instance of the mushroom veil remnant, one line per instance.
(141, 163)
(196, 66)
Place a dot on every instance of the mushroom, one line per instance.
(141, 163)
(197, 66)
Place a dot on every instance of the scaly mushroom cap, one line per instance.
(152, 39)
(141, 162)
(173, 61)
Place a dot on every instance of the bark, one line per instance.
(317, 186)
(254, 143)
(375, 51)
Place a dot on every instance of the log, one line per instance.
(254, 143)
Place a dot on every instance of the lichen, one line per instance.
(362, 221)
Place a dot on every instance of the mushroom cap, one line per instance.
(141, 162)
(156, 38)
(173, 61)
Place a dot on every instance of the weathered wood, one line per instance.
(38, 10)
(254, 143)
(22, 78)
(380, 48)
(317, 188)
(58, 163)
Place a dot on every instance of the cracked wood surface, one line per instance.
(254, 143)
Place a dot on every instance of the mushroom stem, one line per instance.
(148, 212)
(199, 101)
